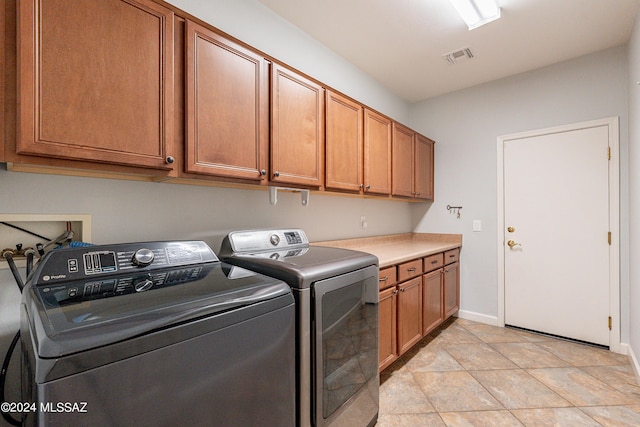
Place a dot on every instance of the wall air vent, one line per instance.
(458, 56)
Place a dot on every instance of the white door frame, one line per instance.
(614, 217)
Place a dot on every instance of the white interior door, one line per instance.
(556, 216)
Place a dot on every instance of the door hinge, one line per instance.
(609, 153)
(610, 323)
(609, 237)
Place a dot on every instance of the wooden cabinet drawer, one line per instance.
(409, 269)
(433, 262)
(387, 277)
(451, 256)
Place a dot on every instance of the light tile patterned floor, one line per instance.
(471, 374)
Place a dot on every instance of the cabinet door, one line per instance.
(451, 289)
(388, 347)
(423, 168)
(343, 143)
(96, 81)
(377, 153)
(297, 129)
(402, 169)
(227, 107)
(409, 314)
(432, 292)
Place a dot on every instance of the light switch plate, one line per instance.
(477, 225)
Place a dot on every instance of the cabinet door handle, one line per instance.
(361, 186)
(367, 187)
(401, 289)
(434, 261)
(452, 256)
(276, 174)
(383, 279)
(263, 172)
(395, 292)
(411, 270)
(170, 159)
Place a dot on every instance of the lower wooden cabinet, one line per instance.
(451, 288)
(432, 294)
(427, 294)
(409, 314)
(387, 312)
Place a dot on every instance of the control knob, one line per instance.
(143, 284)
(143, 257)
(274, 239)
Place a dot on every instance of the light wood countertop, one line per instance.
(397, 248)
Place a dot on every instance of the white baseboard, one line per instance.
(634, 363)
(478, 317)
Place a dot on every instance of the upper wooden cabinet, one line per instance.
(358, 147)
(344, 143)
(95, 81)
(227, 107)
(423, 167)
(377, 153)
(402, 168)
(412, 164)
(297, 129)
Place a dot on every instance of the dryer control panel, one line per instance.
(263, 240)
(69, 264)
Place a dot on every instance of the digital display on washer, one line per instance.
(100, 262)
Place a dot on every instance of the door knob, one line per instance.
(513, 243)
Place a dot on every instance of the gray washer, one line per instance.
(203, 345)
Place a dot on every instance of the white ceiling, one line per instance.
(401, 42)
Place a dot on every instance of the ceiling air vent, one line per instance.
(458, 56)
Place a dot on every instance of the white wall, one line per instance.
(139, 211)
(465, 126)
(634, 194)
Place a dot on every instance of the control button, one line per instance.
(274, 239)
(72, 292)
(143, 257)
(73, 265)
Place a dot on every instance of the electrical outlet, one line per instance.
(363, 221)
(46, 226)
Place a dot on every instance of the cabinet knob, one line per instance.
(361, 186)
(170, 159)
(263, 172)
(367, 187)
(276, 174)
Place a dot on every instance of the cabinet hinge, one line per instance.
(609, 237)
(609, 153)
(610, 323)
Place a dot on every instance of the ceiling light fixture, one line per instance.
(476, 12)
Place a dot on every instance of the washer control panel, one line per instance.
(97, 261)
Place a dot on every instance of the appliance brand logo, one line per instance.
(58, 276)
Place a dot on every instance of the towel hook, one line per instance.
(455, 210)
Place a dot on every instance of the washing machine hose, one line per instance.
(7, 358)
(3, 377)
